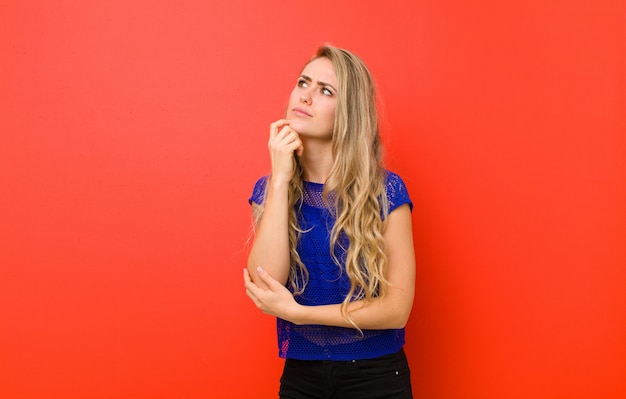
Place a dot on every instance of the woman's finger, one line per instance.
(267, 279)
(275, 127)
(251, 288)
(285, 132)
(283, 138)
(300, 147)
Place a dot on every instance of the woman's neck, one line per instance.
(316, 161)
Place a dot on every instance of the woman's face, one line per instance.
(312, 103)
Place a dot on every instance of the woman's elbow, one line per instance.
(251, 264)
(400, 317)
(399, 322)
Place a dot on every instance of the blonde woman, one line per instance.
(332, 256)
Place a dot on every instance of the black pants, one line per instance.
(383, 377)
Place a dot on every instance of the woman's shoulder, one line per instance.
(258, 192)
(261, 181)
(396, 190)
(393, 180)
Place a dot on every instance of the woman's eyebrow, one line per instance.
(320, 83)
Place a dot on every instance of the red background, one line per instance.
(131, 134)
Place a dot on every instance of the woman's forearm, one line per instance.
(270, 248)
(378, 314)
(390, 311)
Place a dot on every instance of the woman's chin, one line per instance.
(298, 126)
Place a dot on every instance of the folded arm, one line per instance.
(390, 311)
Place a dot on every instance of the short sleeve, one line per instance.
(397, 193)
(258, 193)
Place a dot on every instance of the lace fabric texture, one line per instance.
(328, 284)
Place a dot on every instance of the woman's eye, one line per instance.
(327, 92)
(302, 83)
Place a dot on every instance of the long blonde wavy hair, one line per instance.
(355, 189)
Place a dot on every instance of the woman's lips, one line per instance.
(300, 112)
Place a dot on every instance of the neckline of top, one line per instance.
(312, 183)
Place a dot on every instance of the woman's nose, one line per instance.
(305, 97)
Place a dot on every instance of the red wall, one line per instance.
(131, 134)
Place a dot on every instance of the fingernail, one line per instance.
(260, 270)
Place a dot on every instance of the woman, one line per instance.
(332, 256)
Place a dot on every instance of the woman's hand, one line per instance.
(283, 143)
(271, 233)
(276, 300)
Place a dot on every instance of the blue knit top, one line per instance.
(328, 284)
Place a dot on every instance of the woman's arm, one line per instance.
(391, 311)
(270, 248)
